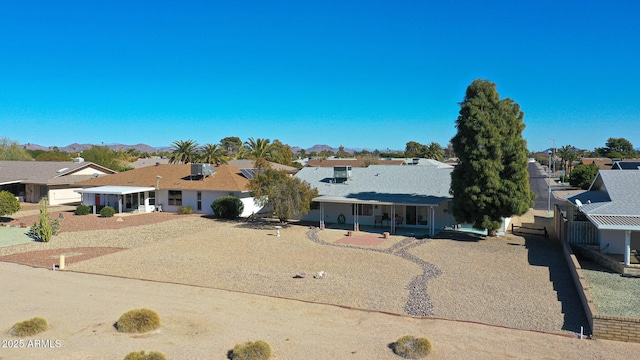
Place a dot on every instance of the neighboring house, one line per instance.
(626, 165)
(143, 162)
(248, 164)
(167, 187)
(389, 196)
(30, 181)
(602, 163)
(361, 163)
(612, 205)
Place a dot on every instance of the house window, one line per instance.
(152, 198)
(175, 197)
(363, 210)
(199, 203)
(315, 205)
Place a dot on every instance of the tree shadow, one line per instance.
(459, 236)
(548, 253)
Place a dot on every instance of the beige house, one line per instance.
(30, 181)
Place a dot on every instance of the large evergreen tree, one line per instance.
(491, 180)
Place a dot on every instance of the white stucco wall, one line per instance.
(611, 241)
(63, 196)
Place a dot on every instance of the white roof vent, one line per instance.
(62, 170)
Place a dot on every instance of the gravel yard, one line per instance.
(509, 281)
(612, 293)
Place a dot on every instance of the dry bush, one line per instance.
(29, 327)
(258, 350)
(138, 321)
(411, 347)
(140, 355)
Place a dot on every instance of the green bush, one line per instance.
(138, 321)
(29, 327)
(411, 347)
(227, 207)
(83, 210)
(185, 210)
(258, 350)
(140, 355)
(9, 204)
(107, 211)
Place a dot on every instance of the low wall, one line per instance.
(608, 327)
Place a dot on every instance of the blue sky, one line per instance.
(364, 74)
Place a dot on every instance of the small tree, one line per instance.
(288, 196)
(9, 204)
(582, 176)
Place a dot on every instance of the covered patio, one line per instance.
(410, 215)
(121, 198)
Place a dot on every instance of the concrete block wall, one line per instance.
(608, 327)
(617, 328)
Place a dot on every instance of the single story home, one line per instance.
(612, 205)
(30, 181)
(166, 187)
(389, 196)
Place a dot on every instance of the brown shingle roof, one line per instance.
(175, 176)
(602, 163)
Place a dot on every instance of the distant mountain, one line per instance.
(75, 147)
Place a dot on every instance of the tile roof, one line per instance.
(175, 176)
(46, 172)
(248, 164)
(419, 185)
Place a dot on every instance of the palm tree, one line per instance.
(565, 153)
(259, 149)
(434, 151)
(183, 152)
(213, 154)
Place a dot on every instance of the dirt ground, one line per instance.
(205, 323)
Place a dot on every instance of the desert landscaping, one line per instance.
(219, 283)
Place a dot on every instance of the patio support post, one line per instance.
(433, 218)
(627, 247)
(321, 216)
(393, 219)
(355, 218)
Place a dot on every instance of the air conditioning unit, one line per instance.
(342, 172)
(202, 170)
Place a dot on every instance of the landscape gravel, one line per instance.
(613, 294)
(508, 281)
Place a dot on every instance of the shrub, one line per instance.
(29, 327)
(185, 210)
(227, 207)
(138, 321)
(83, 210)
(411, 347)
(8, 203)
(107, 211)
(258, 350)
(140, 355)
